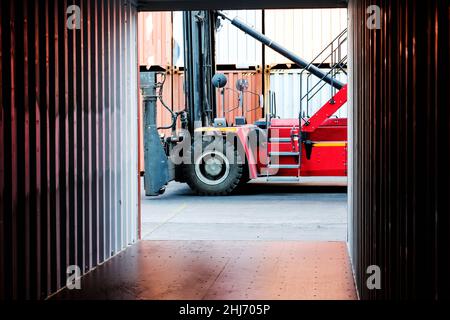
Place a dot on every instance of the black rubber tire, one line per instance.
(223, 188)
(245, 177)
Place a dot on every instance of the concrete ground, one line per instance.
(314, 209)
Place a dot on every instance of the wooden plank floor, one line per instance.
(222, 270)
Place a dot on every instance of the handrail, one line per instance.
(318, 55)
(323, 83)
(337, 62)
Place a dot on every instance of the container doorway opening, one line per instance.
(296, 220)
(293, 204)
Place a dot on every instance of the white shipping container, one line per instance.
(234, 46)
(290, 85)
(304, 31)
(178, 39)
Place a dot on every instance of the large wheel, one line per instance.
(215, 169)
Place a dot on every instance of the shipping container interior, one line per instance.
(72, 159)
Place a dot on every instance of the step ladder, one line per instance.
(273, 164)
(275, 158)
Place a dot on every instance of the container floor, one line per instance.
(195, 270)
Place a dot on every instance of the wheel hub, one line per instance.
(212, 167)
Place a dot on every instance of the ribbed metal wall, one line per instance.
(251, 101)
(68, 139)
(155, 38)
(401, 129)
(234, 46)
(304, 31)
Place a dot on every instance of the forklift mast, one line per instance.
(199, 28)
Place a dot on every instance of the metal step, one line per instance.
(284, 154)
(283, 179)
(278, 140)
(283, 166)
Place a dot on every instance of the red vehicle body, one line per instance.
(282, 153)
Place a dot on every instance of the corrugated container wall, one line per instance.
(400, 184)
(291, 85)
(155, 38)
(234, 46)
(68, 139)
(304, 31)
(176, 100)
(161, 39)
(252, 109)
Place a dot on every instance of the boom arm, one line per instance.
(284, 52)
(326, 111)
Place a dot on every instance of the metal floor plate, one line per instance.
(194, 270)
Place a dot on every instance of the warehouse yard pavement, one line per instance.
(314, 209)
